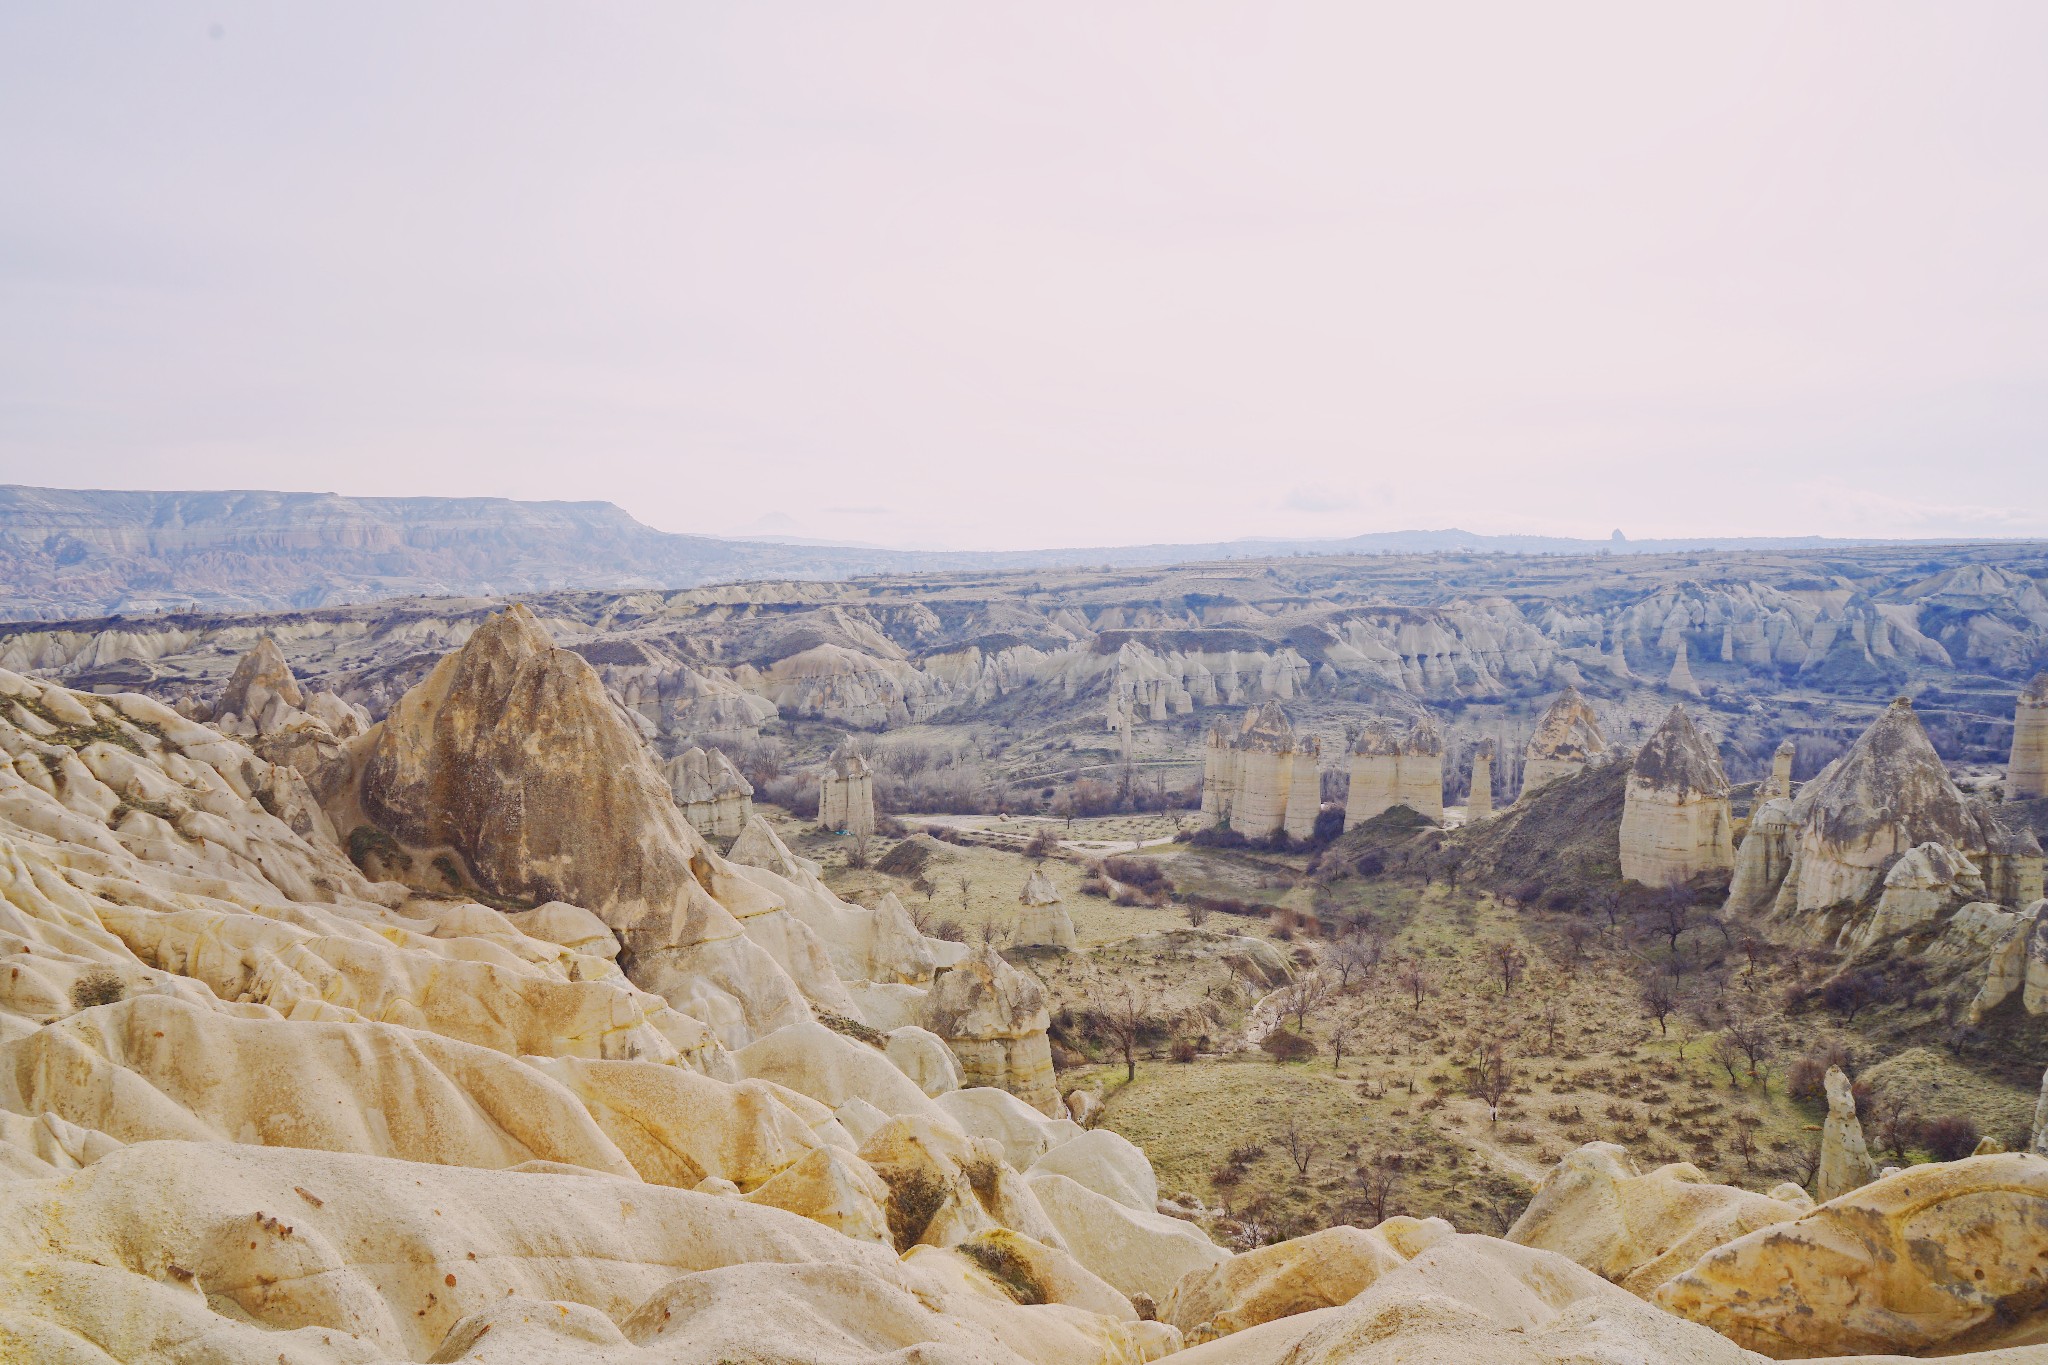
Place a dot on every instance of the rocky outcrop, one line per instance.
(1260, 779)
(1845, 1162)
(714, 797)
(1043, 922)
(2026, 773)
(1479, 796)
(994, 1018)
(1936, 1259)
(1921, 888)
(1887, 795)
(287, 724)
(2016, 962)
(1389, 770)
(1566, 739)
(1779, 784)
(1676, 822)
(1680, 679)
(1639, 1228)
(846, 794)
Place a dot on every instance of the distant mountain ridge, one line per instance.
(75, 553)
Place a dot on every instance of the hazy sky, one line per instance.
(1042, 274)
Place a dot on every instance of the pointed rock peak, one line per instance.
(1039, 890)
(265, 666)
(1569, 730)
(2036, 693)
(1680, 757)
(1267, 726)
(515, 630)
(1891, 776)
(1787, 748)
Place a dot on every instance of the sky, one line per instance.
(1009, 276)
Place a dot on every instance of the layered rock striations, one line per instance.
(846, 794)
(2026, 774)
(715, 798)
(1566, 739)
(1389, 770)
(1676, 822)
(1261, 779)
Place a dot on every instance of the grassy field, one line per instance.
(1401, 1125)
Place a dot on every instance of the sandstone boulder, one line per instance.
(994, 1018)
(1637, 1228)
(1937, 1258)
(1317, 1271)
(1043, 922)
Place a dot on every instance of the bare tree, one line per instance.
(1342, 1030)
(993, 933)
(1552, 1018)
(1577, 934)
(1727, 1054)
(1757, 1040)
(1509, 963)
(1672, 914)
(1357, 954)
(1377, 1180)
(1299, 1145)
(1892, 1122)
(1303, 996)
(966, 884)
(1746, 1124)
(1491, 1077)
(1122, 1012)
(1197, 911)
(1608, 904)
(1414, 980)
(1659, 1000)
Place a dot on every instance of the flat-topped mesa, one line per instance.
(1779, 783)
(1479, 800)
(1262, 779)
(1887, 795)
(1675, 822)
(1566, 739)
(1389, 770)
(1681, 678)
(846, 794)
(714, 797)
(2026, 775)
(1043, 922)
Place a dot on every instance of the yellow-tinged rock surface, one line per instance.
(1951, 1256)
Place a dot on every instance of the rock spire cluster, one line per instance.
(1261, 778)
(1389, 770)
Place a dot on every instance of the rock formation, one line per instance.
(1260, 779)
(299, 727)
(1779, 784)
(1676, 822)
(1566, 738)
(1639, 1228)
(1681, 678)
(2038, 1144)
(1920, 889)
(1845, 1162)
(716, 800)
(1389, 770)
(1479, 799)
(1830, 847)
(846, 794)
(1043, 922)
(2026, 774)
(1934, 1259)
(994, 1018)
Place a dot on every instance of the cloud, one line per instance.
(1318, 497)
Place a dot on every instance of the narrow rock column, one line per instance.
(2026, 776)
(1845, 1162)
(2039, 1146)
(1479, 804)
